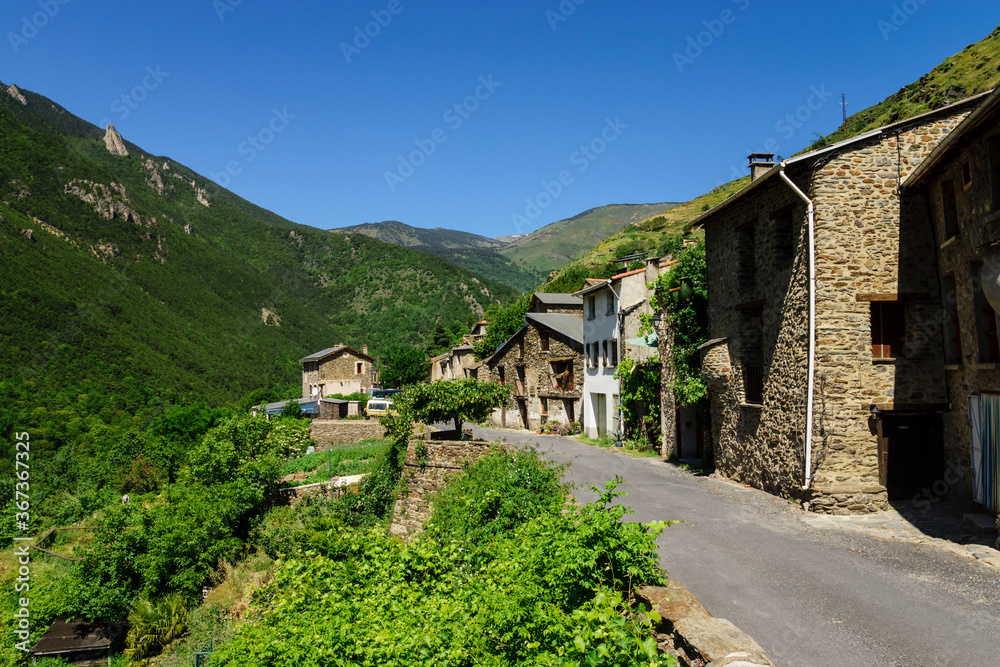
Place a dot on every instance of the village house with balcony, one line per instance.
(820, 285)
(543, 362)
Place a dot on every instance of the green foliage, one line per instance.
(640, 398)
(683, 295)
(403, 366)
(338, 461)
(457, 401)
(356, 396)
(292, 409)
(572, 278)
(505, 321)
(153, 625)
(550, 591)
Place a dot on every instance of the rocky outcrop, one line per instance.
(157, 178)
(13, 91)
(18, 190)
(269, 316)
(114, 142)
(110, 201)
(202, 196)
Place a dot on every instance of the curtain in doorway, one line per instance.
(989, 407)
(976, 447)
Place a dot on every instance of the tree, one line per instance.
(455, 401)
(403, 366)
(504, 322)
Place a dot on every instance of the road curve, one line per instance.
(810, 597)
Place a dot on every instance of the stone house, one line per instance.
(337, 370)
(544, 363)
(458, 362)
(958, 186)
(818, 285)
(612, 310)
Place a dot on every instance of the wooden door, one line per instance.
(910, 454)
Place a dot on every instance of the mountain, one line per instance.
(471, 251)
(392, 231)
(128, 282)
(973, 70)
(561, 242)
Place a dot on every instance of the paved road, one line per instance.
(810, 597)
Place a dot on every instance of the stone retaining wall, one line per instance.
(429, 464)
(331, 489)
(330, 433)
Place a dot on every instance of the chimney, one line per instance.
(760, 164)
(364, 349)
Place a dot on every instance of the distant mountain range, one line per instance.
(522, 261)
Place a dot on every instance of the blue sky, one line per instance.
(562, 105)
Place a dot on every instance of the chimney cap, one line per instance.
(761, 157)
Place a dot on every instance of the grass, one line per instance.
(630, 447)
(337, 462)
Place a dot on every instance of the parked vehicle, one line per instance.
(378, 407)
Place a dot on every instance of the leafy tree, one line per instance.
(403, 366)
(455, 401)
(505, 321)
(292, 409)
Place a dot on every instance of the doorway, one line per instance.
(910, 453)
(600, 413)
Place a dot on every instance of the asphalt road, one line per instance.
(810, 597)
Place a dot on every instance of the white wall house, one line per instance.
(600, 359)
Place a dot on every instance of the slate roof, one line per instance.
(323, 354)
(567, 324)
(65, 637)
(558, 299)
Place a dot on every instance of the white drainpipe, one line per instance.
(810, 391)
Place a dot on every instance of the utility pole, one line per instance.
(843, 103)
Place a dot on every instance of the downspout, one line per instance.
(811, 382)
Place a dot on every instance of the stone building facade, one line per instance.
(873, 291)
(544, 364)
(959, 187)
(337, 370)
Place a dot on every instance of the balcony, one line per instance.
(561, 384)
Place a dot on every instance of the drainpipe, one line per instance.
(810, 390)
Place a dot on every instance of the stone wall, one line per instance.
(527, 412)
(427, 474)
(330, 433)
(968, 369)
(867, 250)
(330, 489)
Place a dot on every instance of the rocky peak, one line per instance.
(16, 94)
(114, 142)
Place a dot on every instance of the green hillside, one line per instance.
(121, 293)
(470, 251)
(559, 243)
(973, 70)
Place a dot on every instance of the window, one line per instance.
(502, 375)
(543, 340)
(986, 326)
(605, 345)
(950, 206)
(752, 360)
(966, 173)
(888, 324)
(545, 406)
(592, 354)
(782, 225)
(614, 353)
(610, 297)
(520, 347)
(747, 258)
(360, 368)
(952, 329)
(994, 149)
(591, 306)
